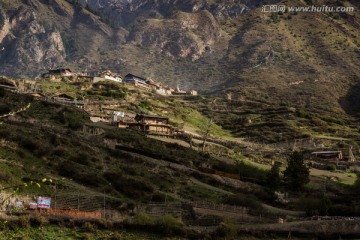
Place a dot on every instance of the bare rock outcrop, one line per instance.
(185, 35)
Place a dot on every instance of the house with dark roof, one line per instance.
(150, 124)
(61, 72)
(63, 99)
(136, 81)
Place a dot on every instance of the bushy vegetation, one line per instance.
(145, 105)
(2, 92)
(313, 206)
(153, 148)
(243, 200)
(246, 171)
(273, 178)
(296, 175)
(227, 229)
(4, 109)
(132, 187)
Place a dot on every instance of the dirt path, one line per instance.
(23, 109)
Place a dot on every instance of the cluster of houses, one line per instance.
(105, 111)
(149, 124)
(107, 75)
(331, 160)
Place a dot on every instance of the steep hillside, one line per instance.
(159, 184)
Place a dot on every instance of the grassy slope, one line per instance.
(147, 102)
(49, 149)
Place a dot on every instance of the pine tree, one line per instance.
(296, 175)
(273, 178)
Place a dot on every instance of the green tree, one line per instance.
(296, 175)
(312, 205)
(2, 92)
(273, 178)
(356, 185)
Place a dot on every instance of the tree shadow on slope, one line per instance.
(351, 101)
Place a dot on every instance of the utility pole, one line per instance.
(211, 121)
(104, 205)
(207, 133)
(55, 194)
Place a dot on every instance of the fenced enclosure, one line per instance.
(67, 205)
(77, 201)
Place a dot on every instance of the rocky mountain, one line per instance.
(230, 48)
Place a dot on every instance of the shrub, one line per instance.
(169, 224)
(82, 158)
(145, 105)
(67, 169)
(243, 200)
(273, 178)
(142, 218)
(86, 236)
(4, 133)
(28, 144)
(117, 236)
(227, 229)
(24, 221)
(2, 92)
(246, 171)
(315, 206)
(89, 179)
(302, 114)
(4, 176)
(4, 109)
(129, 186)
(331, 167)
(89, 227)
(159, 197)
(39, 220)
(74, 122)
(59, 151)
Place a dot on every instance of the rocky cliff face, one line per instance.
(26, 44)
(185, 35)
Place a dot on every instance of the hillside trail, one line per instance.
(23, 109)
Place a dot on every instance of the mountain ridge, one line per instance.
(281, 58)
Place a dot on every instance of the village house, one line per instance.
(99, 117)
(151, 119)
(8, 85)
(89, 74)
(123, 119)
(118, 116)
(328, 160)
(169, 90)
(37, 95)
(150, 124)
(136, 81)
(162, 91)
(107, 75)
(327, 155)
(193, 93)
(153, 85)
(63, 99)
(178, 91)
(64, 72)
